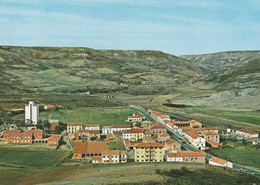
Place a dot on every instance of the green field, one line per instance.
(116, 145)
(87, 115)
(30, 157)
(242, 154)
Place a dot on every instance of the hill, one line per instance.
(43, 69)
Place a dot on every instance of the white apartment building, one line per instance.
(31, 113)
(92, 127)
(247, 133)
(195, 139)
(112, 128)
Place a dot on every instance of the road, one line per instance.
(186, 145)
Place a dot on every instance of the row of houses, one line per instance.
(30, 137)
(98, 152)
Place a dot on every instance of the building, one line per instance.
(195, 139)
(89, 134)
(220, 162)
(128, 144)
(114, 156)
(50, 107)
(92, 127)
(246, 133)
(206, 129)
(6, 132)
(158, 128)
(135, 118)
(187, 125)
(162, 137)
(20, 138)
(149, 140)
(211, 136)
(160, 117)
(36, 134)
(89, 149)
(133, 135)
(54, 140)
(118, 134)
(31, 113)
(148, 152)
(97, 159)
(192, 157)
(172, 144)
(74, 127)
(147, 133)
(112, 128)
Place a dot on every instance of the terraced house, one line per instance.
(196, 140)
(74, 127)
(114, 156)
(133, 135)
(148, 152)
(113, 128)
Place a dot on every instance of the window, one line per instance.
(25, 137)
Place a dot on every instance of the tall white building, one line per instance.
(32, 113)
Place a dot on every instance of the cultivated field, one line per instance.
(31, 157)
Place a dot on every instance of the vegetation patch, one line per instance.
(29, 157)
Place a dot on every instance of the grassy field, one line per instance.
(87, 115)
(30, 157)
(237, 152)
(116, 145)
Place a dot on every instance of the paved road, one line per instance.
(189, 147)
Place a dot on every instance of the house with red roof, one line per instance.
(89, 149)
(112, 128)
(134, 134)
(220, 162)
(54, 140)
(248, 134)
(158, 128)
(195, 139)
(135, 118)
(114, 156)
(6, 132)
(192, 157)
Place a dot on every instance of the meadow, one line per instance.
(244, 154)
(30, 157)
(87, 115)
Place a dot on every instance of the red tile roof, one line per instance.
(137, 116)
(97, 158)
(247, 131)
(133, 131)
(148, 145)
(158, 126)
(74, 124)
(163, 134)
(210, 133)
(12, 131)
(117, 133)
(147, 132)
(187, 154)
(95, 125)
(218, 160)
(213, 143)
(170, 141)
(90, 147)
(193, 134)
(121, 126)
(110, 152)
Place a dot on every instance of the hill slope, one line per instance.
(39, 69)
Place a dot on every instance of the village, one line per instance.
(138, 140)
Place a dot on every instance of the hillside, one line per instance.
(43, 69)
(223, 60)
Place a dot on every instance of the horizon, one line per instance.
(128, 49)
(178, 28)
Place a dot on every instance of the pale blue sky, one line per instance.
(174, 26)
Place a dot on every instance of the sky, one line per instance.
(179, 27)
